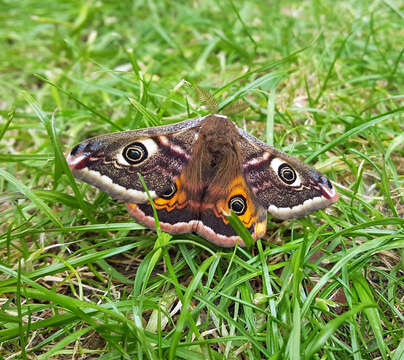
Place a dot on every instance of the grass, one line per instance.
(324, 81)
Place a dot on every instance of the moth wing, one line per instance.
(112, 162)
(217, 204)
(175, 212)
(283, 185)
(206, 217)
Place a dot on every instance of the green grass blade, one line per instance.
(59, 156)
(399, 352)
(240, 229)
(186, 304)
(75, 98)
(28, 193)
(268, 81)
(331, 328)
(150, 118)
(64, 342)
(364, 294)
(354, 131)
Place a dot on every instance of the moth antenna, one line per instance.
(236, 107)
(205, 98)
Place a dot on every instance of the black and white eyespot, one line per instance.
(170, 192)
(137, 152)
(238, 204)
(286, 173)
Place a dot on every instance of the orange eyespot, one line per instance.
(238, 204)
(175, 197)
(169, 193)
(239, 201)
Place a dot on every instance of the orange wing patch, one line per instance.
(215, 204)
(236, 188)
(178, 201)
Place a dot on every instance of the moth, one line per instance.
(197, 171)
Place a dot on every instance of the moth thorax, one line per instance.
(220, 147)
(216, 131)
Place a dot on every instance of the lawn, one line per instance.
(321, 80)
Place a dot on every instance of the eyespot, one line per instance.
(287, 174)
(169, 193)
(135, 153)
(238, 204)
